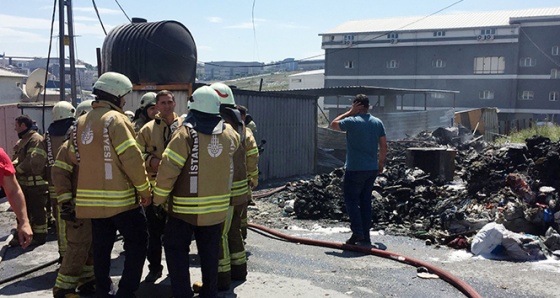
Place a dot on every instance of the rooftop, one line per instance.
(445, 21)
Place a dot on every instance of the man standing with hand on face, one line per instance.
(365, 136)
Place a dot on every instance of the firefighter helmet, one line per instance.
(63, 110)
(83, 108)
(148, 99)
(113, 83)
(206, 100)
(224, 93)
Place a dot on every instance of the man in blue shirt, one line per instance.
(366, 151)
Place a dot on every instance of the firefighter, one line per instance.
(30, 159)
(196, 174)
(76, 270)
(252, 164)
(63, 117)
(111, 177)
(152, 138)
(146, 112)
(233, 260)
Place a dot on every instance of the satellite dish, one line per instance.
(35, 83)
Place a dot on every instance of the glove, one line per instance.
(67, 212)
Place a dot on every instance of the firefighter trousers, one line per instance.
(77, 264)
(132, 226)
(60, 223)
(177, 239)
(36, 198)
(233, 259)
(156, 225)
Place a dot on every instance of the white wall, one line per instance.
(9, 92)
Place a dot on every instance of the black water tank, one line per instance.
(151, 52)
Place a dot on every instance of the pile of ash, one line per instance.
(407, 202)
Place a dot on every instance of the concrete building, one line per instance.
(504, 59)
(9, 90)
(226, 70)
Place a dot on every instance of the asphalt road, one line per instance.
(282, 269)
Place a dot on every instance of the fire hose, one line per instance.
(444, 275)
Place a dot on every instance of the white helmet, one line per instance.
(148, 99)
(205, 99)
(113, 83)
(224, 93)
(83, 108)
(63, 110)
(129, 114)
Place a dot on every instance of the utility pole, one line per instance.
(66, 40)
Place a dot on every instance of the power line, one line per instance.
(350, 45)
(99, 17)
(123, 11)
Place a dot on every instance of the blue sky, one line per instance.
(223, 30)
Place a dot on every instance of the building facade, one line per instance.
(504, 59)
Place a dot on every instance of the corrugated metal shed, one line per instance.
(447, 21)
(288, 123)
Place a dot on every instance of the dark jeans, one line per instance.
(156, 225)
(358, 186)
(177, 239)
(132, 226)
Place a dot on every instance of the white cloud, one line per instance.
(16, 36)
(8, 21)
(101, 10)
(214, 19)
(86, 19)
(246, 25)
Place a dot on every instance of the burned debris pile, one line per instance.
(514, 185)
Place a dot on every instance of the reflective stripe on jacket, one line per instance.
(30, 159)
(197, 171)
(112, 171)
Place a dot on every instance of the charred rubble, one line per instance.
(513, 184)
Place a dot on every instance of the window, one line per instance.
(392, 64)
(491, 31)
(554, 96)
(486, 94)
(439, 33)
(527, 62)
(437, 95)
(489, 65)
(527, 95)
(438, 63)
(555, 73)
(392, 35)
(348, 39)
(555, 50)
(349, 64)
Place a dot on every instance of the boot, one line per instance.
(38, 239)
(239, 272)
(64, 293)
(224, 281)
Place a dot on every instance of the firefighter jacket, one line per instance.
(65, 174)
(152, 139)
(196, 172)
(240, 185)
(54, 137)
(112, 171)
(252, 157)
(30, 159)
